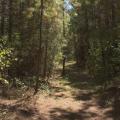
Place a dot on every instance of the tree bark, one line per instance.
(10, 21)
(40, 47)
(2, 18)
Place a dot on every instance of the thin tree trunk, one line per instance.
(10, 22)
(40, 47)
(2, 18)
(21, 21)
(63, 70)
(63, 20)
(46, 53)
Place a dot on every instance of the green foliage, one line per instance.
(7, 56)
(96, 37)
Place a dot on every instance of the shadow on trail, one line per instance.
(79, 79)
(86, 90)
(19, 111)
(84, 113)
(69, 115)
(84, 96)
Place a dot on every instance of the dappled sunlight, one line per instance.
(59, 60)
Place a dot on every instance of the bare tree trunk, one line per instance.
(63, 19)
(63, 70)
(10, 22)
(40, 47)
(2, 18)
(45, 59)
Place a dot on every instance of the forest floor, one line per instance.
(73, 97)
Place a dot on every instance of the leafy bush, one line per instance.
(7, 56)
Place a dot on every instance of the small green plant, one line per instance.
(7, 56)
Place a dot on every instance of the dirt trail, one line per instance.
(73, 98)
(64, 106)
(70, 98)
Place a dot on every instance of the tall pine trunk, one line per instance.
(2, 24)
(40, 47)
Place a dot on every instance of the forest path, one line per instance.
(73, 97)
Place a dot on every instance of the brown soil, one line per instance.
(72, 98)
(72, 104)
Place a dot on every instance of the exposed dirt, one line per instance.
(72, 104)
(70, 98)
